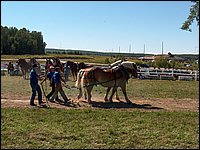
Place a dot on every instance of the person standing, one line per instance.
(34, 77)
(52, 84)
(66, 71)
(58, 87)
(10, 68)
(16, 69)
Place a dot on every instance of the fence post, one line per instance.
(195, 77)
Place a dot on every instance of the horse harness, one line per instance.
(114, 71)
(123, 70)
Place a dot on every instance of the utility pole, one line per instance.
(129, 48)
(133, 52)
(162, 48)
(144, 49)
(196, 49)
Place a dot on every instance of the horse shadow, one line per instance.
(108, 105)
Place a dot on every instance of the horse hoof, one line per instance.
(117, 98)
(111, 100)
(106, 100)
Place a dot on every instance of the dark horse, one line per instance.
(82, 65)
(74, 68)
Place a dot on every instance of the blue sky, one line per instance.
(106, 25)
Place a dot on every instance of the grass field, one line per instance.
(35, 128)
(135, 88)
(75, 58)
(73, 129)
(102, 128)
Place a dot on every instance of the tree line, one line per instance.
(22, 41)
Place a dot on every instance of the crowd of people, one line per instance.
(55, 82)
(53, 75)
(12, 69)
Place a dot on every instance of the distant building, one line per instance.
(169, 57)
(147, 58)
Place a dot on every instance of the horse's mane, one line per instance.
(129, 65)
(116, 63)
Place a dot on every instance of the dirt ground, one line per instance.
(150, 104)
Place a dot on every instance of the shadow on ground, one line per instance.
(122, 105)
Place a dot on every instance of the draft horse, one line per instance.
(108, 77)
(26, 67)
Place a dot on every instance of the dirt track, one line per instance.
(154, 104)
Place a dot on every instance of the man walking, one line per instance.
(52, 84)
(58, 87)
(35, 87)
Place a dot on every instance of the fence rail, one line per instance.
(171, 74)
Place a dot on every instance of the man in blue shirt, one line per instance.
(52, 84)
(35, 87)
(58, 87)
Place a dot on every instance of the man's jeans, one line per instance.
(36, 87)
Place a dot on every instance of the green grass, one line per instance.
(135, 88)
(66, 56)
(164, 89)
(101, 128)
(76, 128)
(157, 89)
(75, 58)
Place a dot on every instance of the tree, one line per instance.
(194, 15)
(162, 63)
(14, 41)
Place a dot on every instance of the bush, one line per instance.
(107, 61)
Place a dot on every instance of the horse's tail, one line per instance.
(78, 81)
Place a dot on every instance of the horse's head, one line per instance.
(81, 65)
(130, 67)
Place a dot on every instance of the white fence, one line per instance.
(171, 74)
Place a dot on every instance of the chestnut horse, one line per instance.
(108, 77)
(83, 66)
